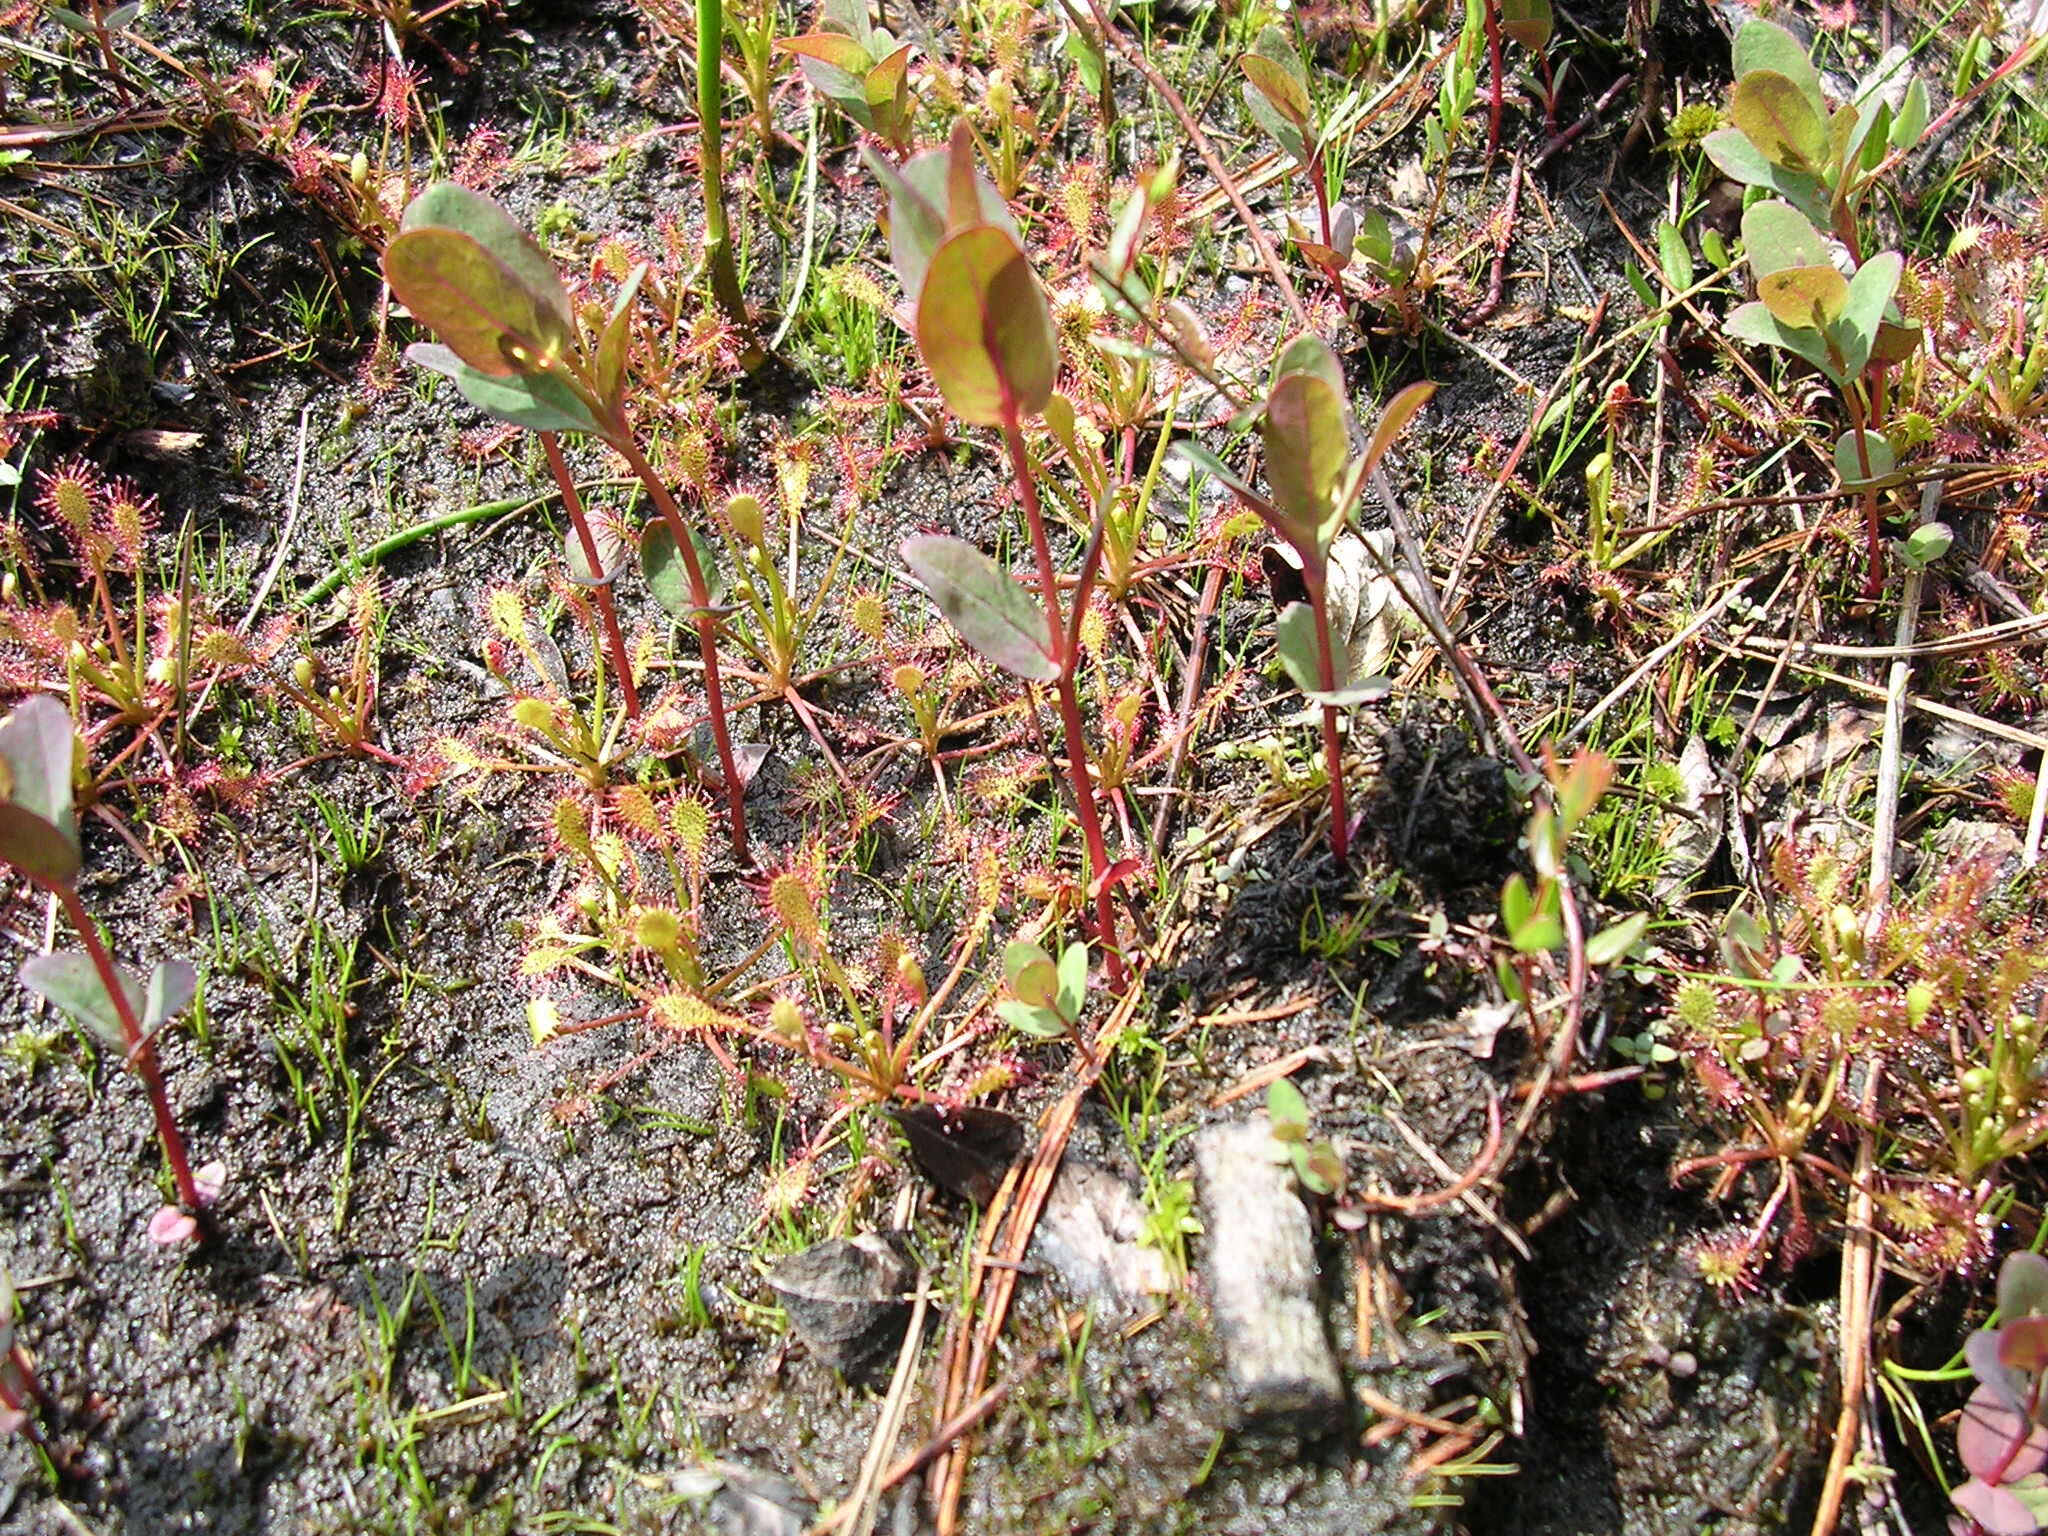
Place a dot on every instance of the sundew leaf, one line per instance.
(1775, 115)
(542, 402)
(984, 328)
(994, 615)
(38, 835)
(70, 981)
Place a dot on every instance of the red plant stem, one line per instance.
(1317, 179)
(141, 1050)
(1313, 576)
(1493, 63)
(1070, 703)
(707, 637)
(608, 617)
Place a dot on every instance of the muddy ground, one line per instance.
(459, 1282)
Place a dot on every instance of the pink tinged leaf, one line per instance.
(994, 615)
(1988, 1432)
(1308, 443)
(1997, 1511)
(985, 329)
(2022, 1285)
(1280, 86)
(170, 1226)
(210, 1181)
(37, 833)
(1401, 410)
(833, 48)
(2023, 1344)
(445, 205)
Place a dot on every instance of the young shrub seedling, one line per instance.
(986, 333)
(1317, 485)
(1785, 139)
(860, 69)
(1047, 995)
(511, 343)
(1276, 93)
(39, 838)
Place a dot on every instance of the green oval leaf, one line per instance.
(38, 834)
(543, 403)
(1764, 45)
(1282, 89)
(475, 304)
(70, 981)
(1849, 460)
(668, 578)
(984, 327)
(1804, 296)
(994, 615)
(1528, 22)
(1775, 235)
(1774, 114)
(1308, 443)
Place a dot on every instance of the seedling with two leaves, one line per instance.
(511, 343)
(860, 69)
(1047, 995)
(985, 330)
(1786, 140)
(1316, 1163)
(39, 838)
(1532, 916)
(1317, 483)
(1277, 95)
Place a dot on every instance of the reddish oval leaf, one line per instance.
(984, 327)
(474, 303)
